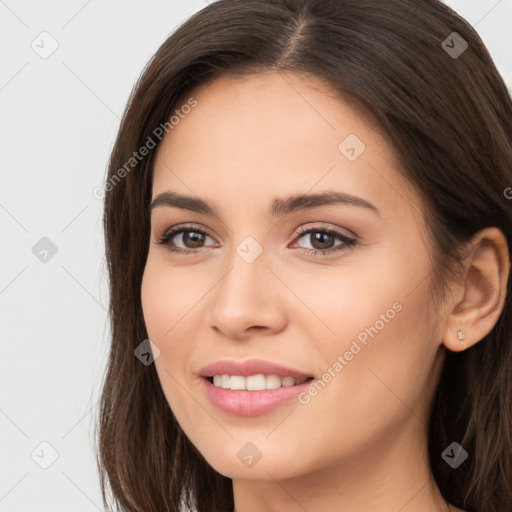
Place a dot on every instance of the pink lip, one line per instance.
(251, 403)
(249, 367)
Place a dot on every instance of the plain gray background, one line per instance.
(60, 114)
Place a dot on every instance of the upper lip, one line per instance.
(249, 367)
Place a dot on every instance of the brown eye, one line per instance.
(322, 240)
(190, 239)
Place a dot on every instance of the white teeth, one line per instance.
(288, 381)
(236, 382)
(255, 382)
(272, 382)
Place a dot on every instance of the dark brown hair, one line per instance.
(449, 120)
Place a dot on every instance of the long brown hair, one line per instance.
(449, 118)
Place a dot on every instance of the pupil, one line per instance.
(318, 238)
(195, 237)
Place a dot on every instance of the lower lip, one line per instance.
(251, 403)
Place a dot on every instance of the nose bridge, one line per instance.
(246, 294)
(242, 285)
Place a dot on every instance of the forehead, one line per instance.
(275, 134)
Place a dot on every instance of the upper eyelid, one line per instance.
(299, 232)
(178, 229)
(301, 227)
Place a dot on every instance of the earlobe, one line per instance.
(484, 287)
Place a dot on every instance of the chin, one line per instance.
(241, 467)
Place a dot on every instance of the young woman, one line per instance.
(308, 224)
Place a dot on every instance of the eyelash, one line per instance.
(348, 242)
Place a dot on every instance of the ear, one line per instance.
(478, 296)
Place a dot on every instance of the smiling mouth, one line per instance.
(258, 382)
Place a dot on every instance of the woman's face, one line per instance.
(346, 304)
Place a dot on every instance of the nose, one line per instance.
(248, 300)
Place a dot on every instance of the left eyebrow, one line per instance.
(307, 201)
(278, 207)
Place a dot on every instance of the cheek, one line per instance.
(388, 351)
(156, 305)
(163, 307)
(374, 317)
(376, 374)
(345, 302)
(170, 298)
(164, 304)
(168, 295)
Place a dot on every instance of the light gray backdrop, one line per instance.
(66, 70)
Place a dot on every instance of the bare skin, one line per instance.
(360, 444)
